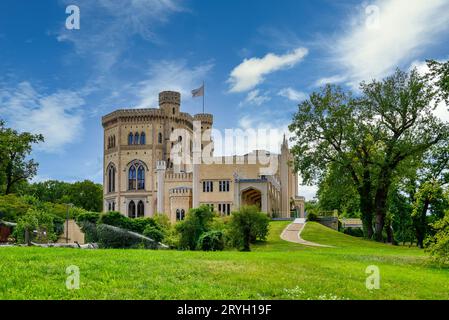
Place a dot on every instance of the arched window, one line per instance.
(111, 179)
(180, 138)
(178, 214)
(109, 206)
(140, 210)
(113, 141)
(130, 138)
(159, 138)
(142, 138)
(136, 138)
(132, 210)
(141, 178)
(183, 213)
(132, 178)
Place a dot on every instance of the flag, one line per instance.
(198, 92)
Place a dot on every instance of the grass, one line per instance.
(273, 270)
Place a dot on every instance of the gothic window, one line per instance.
(109, 206)
(136, 138)
(130, 138)
(113, 141)
(180, 214)
(132, 210)
(141, 178)
(111, 179)
(159, 138)
(132, 178)
(208, 186)
(140, 209)
(142, 138)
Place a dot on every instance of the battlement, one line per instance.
(205, 118)
(183, 176)
(169, 97)
(180, 191)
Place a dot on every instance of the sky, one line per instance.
(258, 58)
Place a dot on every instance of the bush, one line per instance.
(116, 219)
(355, 232)
(90, 231)
(40, 226)
(13, 207)
(196, 223)
(154, 233)
(211, 241)
(84, 216)
(438, 245)
(114, 237)
(247, 226)
(311, 216)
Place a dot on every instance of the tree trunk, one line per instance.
(380, 202)
(420, 225)
(366, 205)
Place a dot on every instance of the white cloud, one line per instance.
(56, 116)
(403, 29)
(170, 75)
(292, 94)
(251, 72)
(105, 36)
(255, 98)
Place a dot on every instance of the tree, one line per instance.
(369, 137)
(197, 222)
(439, 73)
(87, 195)
(247, 226)
(16, 147)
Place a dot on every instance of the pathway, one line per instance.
(293, 234)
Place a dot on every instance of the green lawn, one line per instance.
(274, 270)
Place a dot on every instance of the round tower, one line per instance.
(169, 101)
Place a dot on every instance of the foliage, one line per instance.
(211, 241)
(312, 216)
(15, 165)
(333, 128)
(438, 245)
(247, 226)
(12, 207)
(154, 233)
(113, 237)
(91, 217)
(85, 194)
(116, 219)
(195, 224)
(42, 227)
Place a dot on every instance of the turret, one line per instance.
(169, 101)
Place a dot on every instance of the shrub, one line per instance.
(12, 207)
(196, 223)
(84, 216)
(355, 232)
(311, 216)
(114, 237)
(247, 226)
(438, 245)
(90, 231)
(154, 233)
(116, 219)
(39, 224)
(211, 241)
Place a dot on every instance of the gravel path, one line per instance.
(293, 234)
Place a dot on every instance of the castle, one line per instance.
(144, 176)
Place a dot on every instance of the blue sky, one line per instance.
(259, 59)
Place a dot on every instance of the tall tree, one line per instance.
(369, 136)
(16, 147)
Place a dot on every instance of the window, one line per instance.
(141, 178)
(111, 179)
(208, 186)
(113, 141)
(223, 186)
(140, 209)
(136, 138)
(142, 138)
(174, 110)
(113, 206)
(130, 138)
(180, 138)
(132, 210)
(159, 138)
(180, 214)
(224, 208)
(132, 178)
(109, 206)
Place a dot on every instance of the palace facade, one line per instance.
(142, 177)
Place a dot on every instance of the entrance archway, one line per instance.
(252, 197)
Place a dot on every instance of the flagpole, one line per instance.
(204, 93)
